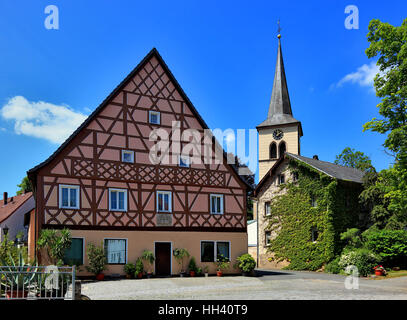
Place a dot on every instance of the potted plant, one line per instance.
(206, 269)
(222, 263)
(379, 270)
(149, 258)
(245, 263)
(199, 272)
(180, 254)
(139, 268)
(192, 267)
(130, 269)
(97, 261)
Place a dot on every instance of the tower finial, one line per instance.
(279, 29)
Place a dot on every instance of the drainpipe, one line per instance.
(257, 233)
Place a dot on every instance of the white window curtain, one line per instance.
(116, 251)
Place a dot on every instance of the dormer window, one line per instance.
(154, 117)
(183, 162)
(128, 156)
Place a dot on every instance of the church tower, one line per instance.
(280, 132)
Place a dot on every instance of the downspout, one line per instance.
(257, 233)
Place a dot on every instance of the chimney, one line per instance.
(5, 198)
(315, 157)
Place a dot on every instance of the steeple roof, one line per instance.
(280, 107)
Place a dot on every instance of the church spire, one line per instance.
(280, 106)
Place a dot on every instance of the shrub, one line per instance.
(97, 259)
(390, 245)
(148, 257)
(352, 238)
(363, 259)
(130, 269)
(55, 243)
(139, 266)
(192, 265)
(180, 254)
(333, 266)
(245, 263)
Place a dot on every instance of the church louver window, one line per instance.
(281, 149)
(273, 150)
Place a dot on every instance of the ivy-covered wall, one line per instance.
(316, 205)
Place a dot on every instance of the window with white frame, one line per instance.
(267, 208)
(184, 161)
(268, 237)
(118, 199)
(164, 201)
(314, 202)
(216, 202)
(128, 156)
(154, 117)
(212, 249)
(116, 251)
(69, 197)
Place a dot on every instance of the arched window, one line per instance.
(273, 150)
(281, 149)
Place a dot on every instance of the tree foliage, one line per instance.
(389, 43)
(55, 243)
(25, 185)
(354, 159)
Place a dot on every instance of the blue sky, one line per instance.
(222, 52)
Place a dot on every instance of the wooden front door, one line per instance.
(163, 258)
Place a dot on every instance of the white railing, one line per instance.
(37, 282)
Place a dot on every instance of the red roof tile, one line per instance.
(11, 206)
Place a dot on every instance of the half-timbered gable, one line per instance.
(109, 160)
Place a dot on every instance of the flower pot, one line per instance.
(149, 275)
(139, 275)
(100, 277)
(206, 274)
(16, 294)
(192, 273)
(128, 276)
(246, 274)
(219, 273)
(378, 272)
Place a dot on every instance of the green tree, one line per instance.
(24, 185)
(354, 159)
(389, 43)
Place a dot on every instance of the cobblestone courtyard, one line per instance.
(276, 285)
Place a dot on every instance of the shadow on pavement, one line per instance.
(260, 273)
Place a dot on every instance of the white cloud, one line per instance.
(41, 119)
(363, 76)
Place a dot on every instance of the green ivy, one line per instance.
(293, 218)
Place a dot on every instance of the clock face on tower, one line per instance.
(278, 134)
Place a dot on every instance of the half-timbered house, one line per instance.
(102, 184)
